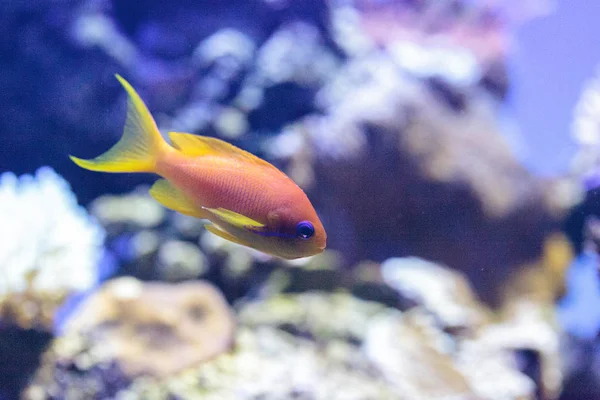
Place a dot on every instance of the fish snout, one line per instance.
(322, 244)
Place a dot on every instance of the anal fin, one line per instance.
(171, 197)
(225, 235)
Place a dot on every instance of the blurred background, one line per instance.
(450, 147)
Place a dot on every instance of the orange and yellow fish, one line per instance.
(248, 200)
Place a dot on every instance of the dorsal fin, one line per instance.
(196, 145)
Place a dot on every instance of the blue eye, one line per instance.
(305, 229)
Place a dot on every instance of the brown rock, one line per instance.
(155, 328)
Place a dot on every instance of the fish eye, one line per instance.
(305, 229)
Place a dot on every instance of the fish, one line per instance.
(246, 199)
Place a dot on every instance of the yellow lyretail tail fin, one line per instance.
(138, 148)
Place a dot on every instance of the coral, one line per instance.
(128, 212)
(476, 359)
(443, 181)
(154, 328)
(179, 260)
(531, 332)
(315, 344)
(82, 377)
(50, 249)
(395, 129)
(271, 364)
(129, 329)
(443, 292)
(479, 26)
(363, 335)
(427, 362)
(543, 280)
(432, 101)
(529, 320)
(585, 131)
(526, 323)
(307, 315)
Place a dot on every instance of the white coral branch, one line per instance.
(45, 236)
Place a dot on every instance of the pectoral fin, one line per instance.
(225, 235)
(171, 197)
(235, 219)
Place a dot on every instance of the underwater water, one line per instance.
(446, 152)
